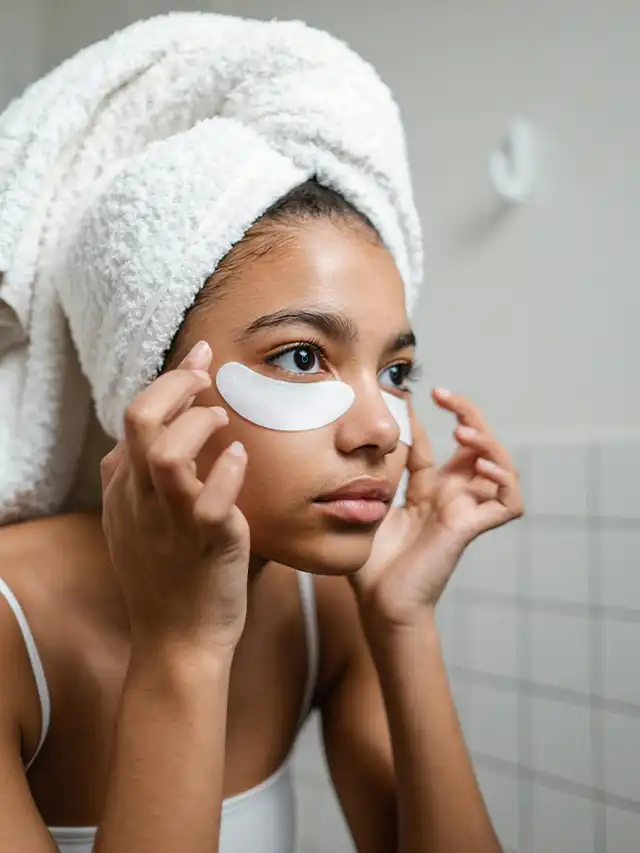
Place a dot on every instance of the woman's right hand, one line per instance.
(179, 546)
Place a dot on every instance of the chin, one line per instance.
(328, 553)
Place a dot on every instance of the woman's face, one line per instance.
(326, 304)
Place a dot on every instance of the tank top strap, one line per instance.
(36, 666)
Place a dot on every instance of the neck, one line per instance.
(256, 565)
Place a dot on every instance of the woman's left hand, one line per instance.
(418, 546)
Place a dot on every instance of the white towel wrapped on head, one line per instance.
(127, 174)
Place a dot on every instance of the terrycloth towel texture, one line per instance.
(126, 175)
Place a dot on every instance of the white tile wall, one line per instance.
(622, 661)
(493, 722)
(560, 650)
(493, 639)
(500, 794)
(560, 563)
(561, 740)
(491, 563)
(558, 480)
(619, 554)
(620, 473)
(622, 755)
(563, 823)
(623, 830)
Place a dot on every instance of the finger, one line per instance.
(146, 417)
(502, 477)
(109, 464)
(420, 464)
(508, 503)
(482, 489)
(485, 444)
(172, 457)
(198, 358)
(461, 463)
(214, 506)
(467, 413)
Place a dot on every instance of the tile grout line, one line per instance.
(469, 597)
(565, 695)
(596, 644)
(611, 522)
(557, 783)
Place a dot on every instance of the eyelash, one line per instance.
(311, 343)
(415, 369)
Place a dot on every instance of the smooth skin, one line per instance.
(170, 628)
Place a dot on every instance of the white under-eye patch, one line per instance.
(280, 405)
(295, 406)
(399, 408)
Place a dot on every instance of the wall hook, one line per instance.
(511, 165)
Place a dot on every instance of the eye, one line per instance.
(299, 359)
(397, 375)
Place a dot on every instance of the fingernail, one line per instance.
(487, 464)
(200, 351)
(220, 412)
(236, 449)
(443, 392)
(467, 432)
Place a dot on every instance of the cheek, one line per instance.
(286, 467)
(283, 468)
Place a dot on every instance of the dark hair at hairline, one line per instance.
(313, 200)
(308, 201)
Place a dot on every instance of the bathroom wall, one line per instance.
(531, 311)
(542, 658)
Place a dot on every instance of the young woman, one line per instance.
(247, 565)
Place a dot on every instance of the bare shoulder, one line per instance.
(19, 707)
(39, 562)
(21, 543)
(45, 556)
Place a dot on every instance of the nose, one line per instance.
(368, 424)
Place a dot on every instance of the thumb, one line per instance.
(420, 464)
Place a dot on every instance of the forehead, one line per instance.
(329, 266)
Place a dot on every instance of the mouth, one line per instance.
(364, 500)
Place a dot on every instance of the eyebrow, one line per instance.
(336, 327)
(401, 341)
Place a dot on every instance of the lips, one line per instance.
(365, 500)
(362, 488)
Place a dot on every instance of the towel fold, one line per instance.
(126, 174)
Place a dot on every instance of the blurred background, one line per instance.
(530, 308)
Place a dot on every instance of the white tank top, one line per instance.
(260, 820)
